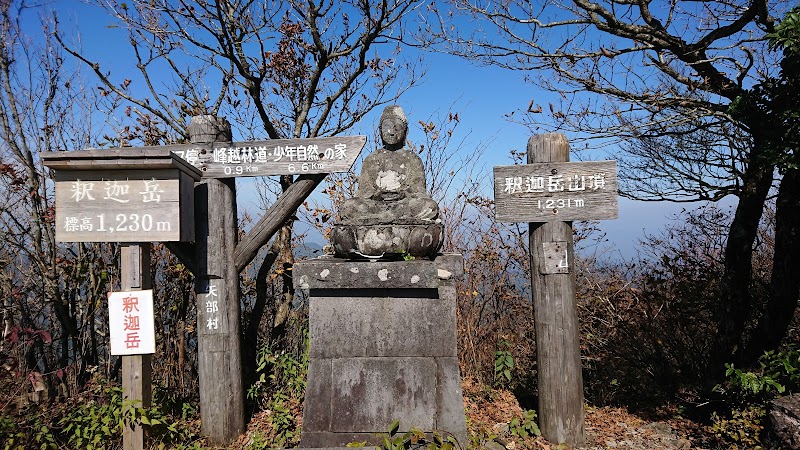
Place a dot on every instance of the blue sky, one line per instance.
(482, 96)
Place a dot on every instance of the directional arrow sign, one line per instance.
(274, 157)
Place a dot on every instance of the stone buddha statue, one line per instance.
(391, 212)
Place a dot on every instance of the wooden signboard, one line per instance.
(549, 192)
(273, 157)
(556, 191)
(123, 195)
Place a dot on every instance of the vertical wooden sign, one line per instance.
(217, 286)
(126, 195)
(549, 192)
(136, 369)
(558, 355)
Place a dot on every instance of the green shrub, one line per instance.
(503, 363)
(524, 426)
(26, 432)
(280, 388)
(778, 373)
(747, 393)
(742, 429)
(96, 422)
(412, 439)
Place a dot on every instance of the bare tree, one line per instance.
(660, 79)
(299, 68)
(50, 291)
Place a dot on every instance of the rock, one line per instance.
(783, 426)
(500, 429)
(659, 427)
(493, 446)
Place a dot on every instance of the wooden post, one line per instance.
(555, 313)
(136, 369)
(217, 287)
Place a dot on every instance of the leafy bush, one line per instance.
(747, 393)
(524, 426)
(778, 373)
(412, 439)
(742, 429)
(97, 420)
(503, 363)
(280, 389)
(26, 432)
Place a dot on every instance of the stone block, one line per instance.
(317, 405)
(370, 393)
(450, 263)
(312, 440)
(449, 400)
(382, 347)
(381, 326)
(783, 427)
(335, 273)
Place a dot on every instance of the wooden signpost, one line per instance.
(126, 196)
(137, 369)
(556, 191)
(550, 192)
(123, 195)
(144, 194)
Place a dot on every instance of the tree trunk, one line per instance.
(785, 282)
(735, 305)
(250, 338)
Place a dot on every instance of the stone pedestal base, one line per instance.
(382, 348)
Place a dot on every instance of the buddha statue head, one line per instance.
(393, 128)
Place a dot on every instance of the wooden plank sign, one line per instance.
(123, 195)
(556, 191)
(274, 157)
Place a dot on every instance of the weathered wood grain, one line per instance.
(217, 286)
(561, 415)
(136, 369)
(135, 158)
(123, 195)
(556, 191)
(275, 157)
(126, 219)
(208, 159)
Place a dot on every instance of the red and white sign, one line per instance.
(131, 322)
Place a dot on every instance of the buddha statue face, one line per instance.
(393, 127)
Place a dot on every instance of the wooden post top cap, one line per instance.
(124, 158)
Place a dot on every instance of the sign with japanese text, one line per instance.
(131, 322)
(123, 195)
(274, 157)
(211, 320)
(556, 191)
(121, 207)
